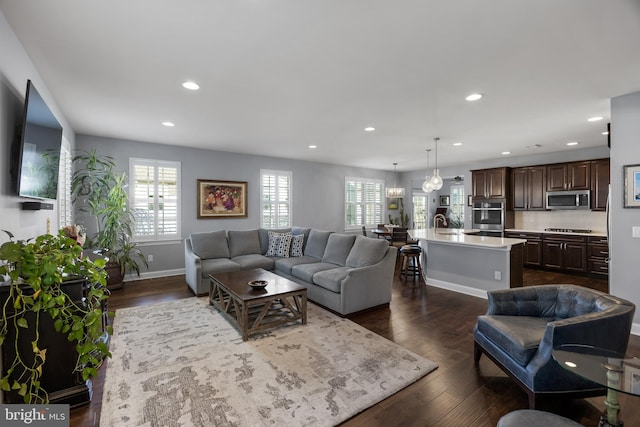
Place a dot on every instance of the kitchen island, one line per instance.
(468, 263)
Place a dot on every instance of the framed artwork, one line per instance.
(222, 199)
(632, 186)
(444, 200)
(393, 204)
(470, 200)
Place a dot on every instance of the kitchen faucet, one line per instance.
(435, 221)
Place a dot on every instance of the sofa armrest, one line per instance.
(368, 286)
(192, 266)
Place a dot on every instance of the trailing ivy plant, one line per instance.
(34, 272)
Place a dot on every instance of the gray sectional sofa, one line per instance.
(345, 273)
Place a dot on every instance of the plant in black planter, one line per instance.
(35, 304)
(101, 192)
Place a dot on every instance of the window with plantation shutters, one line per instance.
(154, 198)
(364, 202)
(65, 210)
(275, 193)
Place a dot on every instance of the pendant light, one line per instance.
(436, 180)
(395, 192)
(426, 185)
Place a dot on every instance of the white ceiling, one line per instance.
(279, 75)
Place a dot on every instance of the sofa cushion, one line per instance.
(211, 244)
(218, 265)
(306, 271)
(263, 234)
(366, 251)
(279, 244)
(254, 261)
(338, 248)
(316, 243)
(285, 265)
(518, 336)
(331, 279)
(297, 245)
(244, 242)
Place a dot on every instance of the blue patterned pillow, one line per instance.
(279, 244)
(297, 244)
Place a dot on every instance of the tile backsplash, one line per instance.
(539, 220)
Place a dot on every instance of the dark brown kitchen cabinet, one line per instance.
(564, 252)
(600, 175)
(528, 187)
(598, 254)
(569, 176)
(532, 249)
(489, 183)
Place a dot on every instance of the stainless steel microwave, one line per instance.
(568, 199)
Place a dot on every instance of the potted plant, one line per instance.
(101, 192)
(33, 297)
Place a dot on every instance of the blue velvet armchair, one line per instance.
(523, 325)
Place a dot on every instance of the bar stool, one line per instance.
(410, 264)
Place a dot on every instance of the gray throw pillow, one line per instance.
(367, 251)
(338, 247)
(210, 245)
(244, 242)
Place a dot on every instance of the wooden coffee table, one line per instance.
(254, 310)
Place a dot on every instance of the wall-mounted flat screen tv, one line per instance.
(37, 154)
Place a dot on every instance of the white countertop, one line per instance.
(593, 233)
(457, 237)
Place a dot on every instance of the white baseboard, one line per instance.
(635, 329)
(153, 275)
(474, 292)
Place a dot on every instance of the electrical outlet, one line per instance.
(635, 231)
(150, 258)
(497, 275)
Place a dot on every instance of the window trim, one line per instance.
(155, 163)
(276, 174)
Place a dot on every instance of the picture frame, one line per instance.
(444, 200)
(631, 186)
(470, 200)
(393, 203)
(221, 199)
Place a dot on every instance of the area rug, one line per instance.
(182, 364)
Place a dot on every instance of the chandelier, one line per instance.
(436, 180)
(426, 185)
(395, 192)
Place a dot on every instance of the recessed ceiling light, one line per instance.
(504, 153)
(473, 97)
(572, 143)
(191, 85)
(457, 144)
(168, 124)
(313, 146)
(369, 129)
(605, 133)
(595, 119)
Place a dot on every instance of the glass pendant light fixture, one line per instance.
(395, 192)
(426, 185)
(436, 180)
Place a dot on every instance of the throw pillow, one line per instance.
(279, 244)
(297, 243)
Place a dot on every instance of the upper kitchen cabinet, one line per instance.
(528, 188)
(490, 183)
(569, 176)
(600, 171)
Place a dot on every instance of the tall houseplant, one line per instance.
(101, 192)
(33, 293)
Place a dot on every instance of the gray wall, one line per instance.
(317, 196)
(625, 250)
(15, 69)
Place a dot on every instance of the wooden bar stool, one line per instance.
(410, 264)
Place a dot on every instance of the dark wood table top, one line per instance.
(237, 283)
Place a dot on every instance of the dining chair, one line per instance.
(364, 231)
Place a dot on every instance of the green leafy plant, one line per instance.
(101, 192)
(34, 273)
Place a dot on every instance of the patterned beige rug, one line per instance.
(182, 364)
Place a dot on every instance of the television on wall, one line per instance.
(36, 157)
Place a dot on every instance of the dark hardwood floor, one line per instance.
(434, 323)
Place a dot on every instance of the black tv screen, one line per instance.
(38, 153)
